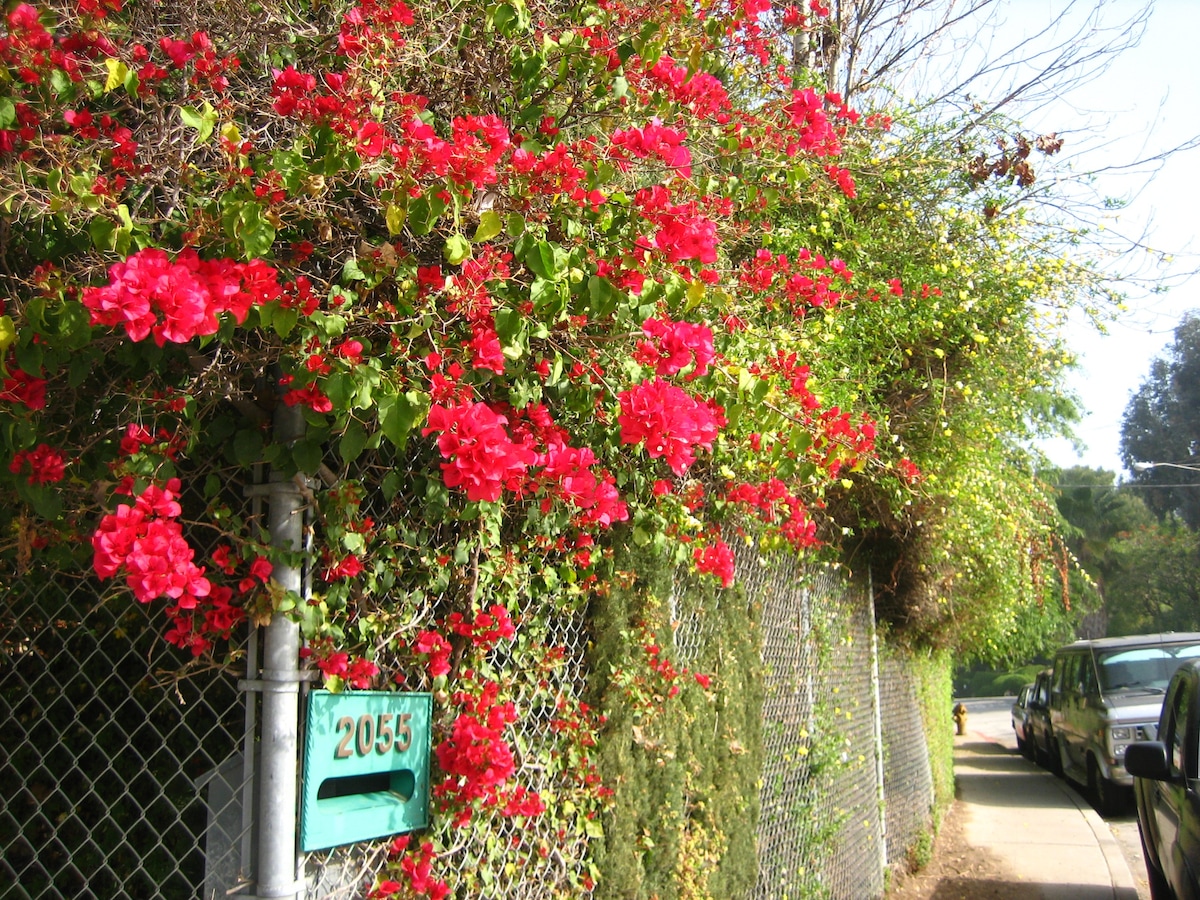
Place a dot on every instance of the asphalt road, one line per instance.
(992, 718)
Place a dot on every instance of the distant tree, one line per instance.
(1152, 584)
(1097, 514)
(1162, 424)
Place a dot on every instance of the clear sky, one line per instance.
(1147, 101)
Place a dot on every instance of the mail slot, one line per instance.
(366, 767)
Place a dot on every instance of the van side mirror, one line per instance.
(1148, 759)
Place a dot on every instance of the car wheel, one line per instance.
(1105, 794)
(1022, 746)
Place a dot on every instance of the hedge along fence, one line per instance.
(523, 337)
(765, 787)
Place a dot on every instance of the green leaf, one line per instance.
(423, 213)
(117, 71)
(508, 324)
(29, 358)
(457, 249)
(549, 298)
(308, 456)
(78, 369)
(351, 271)
(8, 112)
(602, 297)
(339, 388)
(393, 481)
(284, 320)
(395, 215)
(490, 225)
(247, 446)
(542, 260)
(514, 226)
(245, 222)
(398, 414)
(204, 121)
(354, 439)
(103, 234)
(759, 392)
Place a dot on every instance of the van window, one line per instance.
(1086, 684)
(1146, 668)
(1065, 673)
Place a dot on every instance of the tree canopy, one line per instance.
(1161, 426)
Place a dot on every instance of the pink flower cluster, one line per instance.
(702, 92)
(486, 629)
(675, 346)
(176, 300)
(670, 421)
(683, 232)
(806, 113)
(417, 868)
(475, 758)
(654, 140)
(840, 443)
(810, 280)
(144, 541)
(715, 559)
(21, 387)
(437, 648)
(570, 471)
(480, 456)
(778, 507)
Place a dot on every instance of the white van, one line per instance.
(1106, 694)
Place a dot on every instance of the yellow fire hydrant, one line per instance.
(960, 718)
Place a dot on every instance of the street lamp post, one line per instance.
(1146, 466)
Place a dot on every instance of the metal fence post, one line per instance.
(877, 716)
(277, 856)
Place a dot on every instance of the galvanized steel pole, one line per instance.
(277, 868)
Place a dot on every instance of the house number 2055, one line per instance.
(373, 733)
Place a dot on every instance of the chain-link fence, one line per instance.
(846, 783)
(124, 773)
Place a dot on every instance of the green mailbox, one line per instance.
(366, 767)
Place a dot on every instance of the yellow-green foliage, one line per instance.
(685, 773)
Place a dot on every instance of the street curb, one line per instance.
(1118, 867)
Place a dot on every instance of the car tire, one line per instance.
(1022, 746)
(1105, 795)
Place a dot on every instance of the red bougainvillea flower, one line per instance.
(437, 648)
(670, 421)
(677, 345)
(715, 559)
(146, 543)
(45, 465)
(21, 387)
(480, 456)
(149, 294)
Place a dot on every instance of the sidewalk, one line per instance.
(1042, 836)
(1015, 832)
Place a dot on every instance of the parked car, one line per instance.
(1105, 695)
(1039, 733)
(1020, 718)
(1167, 792)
